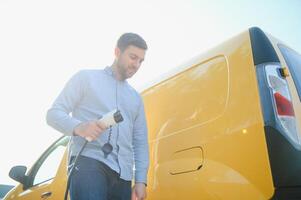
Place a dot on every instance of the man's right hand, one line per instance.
(90, 130)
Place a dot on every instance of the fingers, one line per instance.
(89, 139)
(133, 195)
(90, 130)
(97, 129)
(92, 136)
(101, 125)
(138, 193)
(95, 134)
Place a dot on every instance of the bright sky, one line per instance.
(42, 43)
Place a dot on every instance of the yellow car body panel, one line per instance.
(204, 107)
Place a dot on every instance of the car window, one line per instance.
(49, 167)
(293, 61)
(48, 164)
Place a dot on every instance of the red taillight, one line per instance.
(284, 106)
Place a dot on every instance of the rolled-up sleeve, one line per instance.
(58, 116)
(140, 146)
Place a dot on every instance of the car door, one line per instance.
(47, 178)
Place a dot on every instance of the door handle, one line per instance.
(46, 195)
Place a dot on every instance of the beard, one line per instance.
(121, 68)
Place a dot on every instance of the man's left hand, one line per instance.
(139, 191)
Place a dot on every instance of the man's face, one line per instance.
(129, 61)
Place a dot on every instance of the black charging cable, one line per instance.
(72, 169)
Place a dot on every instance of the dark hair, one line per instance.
(128, 39)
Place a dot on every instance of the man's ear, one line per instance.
(117, 52)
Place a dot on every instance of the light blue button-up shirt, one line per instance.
(90, 94)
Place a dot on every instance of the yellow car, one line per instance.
(224, 125)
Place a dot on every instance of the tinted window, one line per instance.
(293, 60)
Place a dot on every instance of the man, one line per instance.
(105, 173)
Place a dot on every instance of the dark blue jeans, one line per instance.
(93, 180)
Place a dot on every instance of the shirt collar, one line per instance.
(109, 71)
